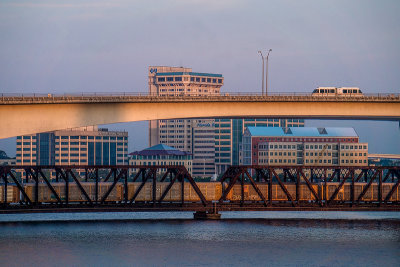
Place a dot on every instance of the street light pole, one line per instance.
(266, 73)
(262, 73)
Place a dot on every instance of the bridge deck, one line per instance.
(190, 208)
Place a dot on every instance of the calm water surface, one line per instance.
(250, 239)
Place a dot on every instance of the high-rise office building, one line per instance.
(80, 146)
(195, 136)
(214, 143)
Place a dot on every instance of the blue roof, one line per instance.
(303, 131)
(188, 73)
(160, 149)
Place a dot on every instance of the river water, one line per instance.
(174, 239)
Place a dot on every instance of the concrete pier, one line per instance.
(205, 215)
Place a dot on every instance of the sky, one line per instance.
(107, 46)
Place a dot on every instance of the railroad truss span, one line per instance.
(171, 188)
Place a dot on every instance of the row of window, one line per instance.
(27, 149)
(223, 148)
(321, 146)
(319, 154)
(271, 146)
(355, 161)
(311, 161)
(25, 155)
(173, 136)
(277, 161)
(351, 154)
(173, 126)
(27, 143)
(192, 79)
(163, 163)
(277, 153)
(353, 147)
(26, 137)
(83, 137)
(222, 143)
(120, 146)
(285, 139)
(265, 146)
(169, 157)
(173, 131)
(315, 154)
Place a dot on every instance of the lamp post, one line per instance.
(266, 73)
(262, 73)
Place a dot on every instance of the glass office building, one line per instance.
(81, 146)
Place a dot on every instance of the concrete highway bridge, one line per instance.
(30, 189)
(28, 114)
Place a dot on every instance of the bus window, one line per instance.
(345, 91)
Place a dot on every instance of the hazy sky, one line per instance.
(106, 46)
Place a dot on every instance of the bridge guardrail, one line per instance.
(9, 98)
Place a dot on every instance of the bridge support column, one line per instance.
(208, 215)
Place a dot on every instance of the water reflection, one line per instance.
(249, 242)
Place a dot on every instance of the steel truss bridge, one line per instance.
(78, 188)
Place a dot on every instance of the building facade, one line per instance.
(214, 143)
(195, 136)
(229, 134)
(160, 155)
(81, 146)
(303, 146)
